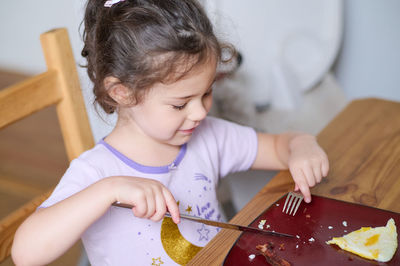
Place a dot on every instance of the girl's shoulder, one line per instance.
(211, 122)
(97, 158)
(215, 125)
(216, 132)
(98, 152)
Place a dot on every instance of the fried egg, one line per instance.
(378, 243)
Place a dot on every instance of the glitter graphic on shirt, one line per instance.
(175, 245)
(189, 209)
(157, 261)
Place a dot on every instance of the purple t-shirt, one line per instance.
(216, 149)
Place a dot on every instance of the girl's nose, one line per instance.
(198, 111)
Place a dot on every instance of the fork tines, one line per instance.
(292, 203)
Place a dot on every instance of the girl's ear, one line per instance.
(117, 91)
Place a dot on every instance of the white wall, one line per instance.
(21, 23)
(369, 64)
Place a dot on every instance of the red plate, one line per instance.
(320, 220)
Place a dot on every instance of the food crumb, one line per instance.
(282, 246)
(311, 239)
(268, 226)
(277, 204)
(308, 216)
(252, 256)
(297, 246)
(261, 224)
(297, 236)
(330, 227)
(344, 223)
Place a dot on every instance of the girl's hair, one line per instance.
(142, 42)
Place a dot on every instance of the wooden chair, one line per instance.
(58, 86)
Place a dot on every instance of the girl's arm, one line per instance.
(49, 232)
(300, 153)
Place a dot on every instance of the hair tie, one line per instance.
(110, 3)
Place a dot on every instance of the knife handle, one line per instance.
(167, 214)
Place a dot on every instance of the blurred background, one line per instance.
(303, 61)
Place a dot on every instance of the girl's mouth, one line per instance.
(188, 131)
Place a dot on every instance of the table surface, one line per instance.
(363, 146)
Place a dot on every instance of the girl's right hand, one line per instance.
(150, 198)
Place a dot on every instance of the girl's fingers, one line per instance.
(309, 176)
(172, 206)
(317, 170)
(301, 183)
(140, 204)
(305, 191)
(151, 203)
(160, 207)
(325, 168)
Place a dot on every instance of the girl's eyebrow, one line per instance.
(188, 96)
(183, 97)
(192, 95)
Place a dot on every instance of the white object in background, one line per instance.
(305, 53)
(305, 35)
(286, 94)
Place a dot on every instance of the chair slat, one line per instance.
(27, 97)
(72, 115)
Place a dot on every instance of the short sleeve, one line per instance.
(79, 175)
(236, 145)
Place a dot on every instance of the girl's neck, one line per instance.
(140, 148)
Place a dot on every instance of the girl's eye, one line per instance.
(179, 107)
(208, 93)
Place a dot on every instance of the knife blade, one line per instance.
(215, 223)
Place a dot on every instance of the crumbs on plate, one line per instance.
(261, 224)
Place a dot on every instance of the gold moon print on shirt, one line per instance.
(175, 245)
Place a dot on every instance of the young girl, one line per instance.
(154, 63)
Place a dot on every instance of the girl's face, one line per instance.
(170, 113)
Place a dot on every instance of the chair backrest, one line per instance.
(58, 86)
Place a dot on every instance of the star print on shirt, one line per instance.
(157, 261)
(203, 232)
(189, 209)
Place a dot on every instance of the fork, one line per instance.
(292, 203)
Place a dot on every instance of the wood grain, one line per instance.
(363, 146)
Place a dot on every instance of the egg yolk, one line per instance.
(372, 240)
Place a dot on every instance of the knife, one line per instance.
(215, 223)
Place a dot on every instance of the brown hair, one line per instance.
(142, 42)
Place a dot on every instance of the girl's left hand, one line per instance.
(308, 163)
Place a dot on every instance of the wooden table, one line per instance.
(363, 146)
